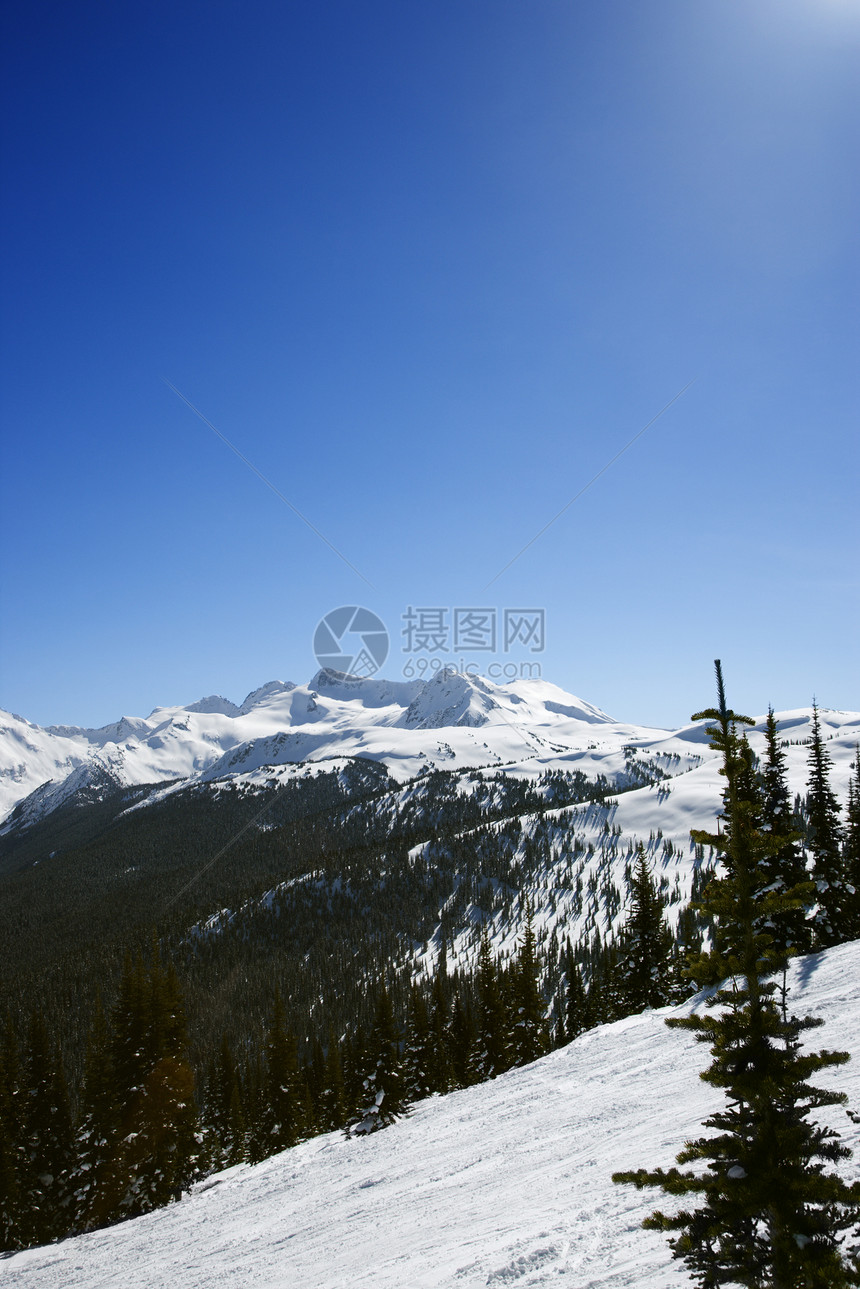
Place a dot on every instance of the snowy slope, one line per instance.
(505, 1184)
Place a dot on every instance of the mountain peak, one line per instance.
(269, 690)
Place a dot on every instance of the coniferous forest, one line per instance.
(219, 976)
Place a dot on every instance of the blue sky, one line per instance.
(429, 267)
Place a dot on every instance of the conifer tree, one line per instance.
(771, 1217)
(645, 957)
(384, 1095)
(604, 1000)
(94, 1137)
(332, 1100)
(576, 1005)
(824, 841)
(462, 1038)
(254, 1107)
(851, 851)
(11, 1236)
(155, 1139)
(284, 1113)
(786, 869)
(417, 1054)
(47, 1153)
(224, 1110)
(530, 1037)
(441, 1075)
(491, 1049)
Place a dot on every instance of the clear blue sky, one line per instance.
(429, 267)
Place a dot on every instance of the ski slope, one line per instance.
(505, 1184)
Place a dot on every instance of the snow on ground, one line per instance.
(506, 1184)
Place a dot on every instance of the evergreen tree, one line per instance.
(491, 1049)
(11, 1236)
(254, 1107)
(224, 1110)
(94, 1138)
(530, 1037)
(441, 1075)
(604, 998)
(785, 870)
(284, 1112)
(851, 851)
(332, 1100)
(47, 1153)
(155, 1148)
(576, 1013)
(824, 841)
(645, 948)
(771, 1216)
(384, 1093)
(417, 1054)
(462, 1034)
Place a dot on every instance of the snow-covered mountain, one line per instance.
(503, 1184)
(451, 722)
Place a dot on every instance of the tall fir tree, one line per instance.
(384, 1097)
(155, 1150)
(418, 1051)
(11, 1235)
(441, 1075)
(225, 1115)
(576, 1014)
(851, 851)
(824, 842)
(785, 870)
(94, 1138)
(771, 1217)
(284, 1109)
(529, 1031)
(645, 969)
(47, 1154)
(491, 1048)
(462, 1031)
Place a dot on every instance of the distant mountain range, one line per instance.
(453, 722)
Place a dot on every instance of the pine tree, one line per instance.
(441, 1075)
(47, 1141)
(284, 1113)
(417, 1054)
(462, 1033)
(94, 1137)
(11, 1236)
(530, 1037)
(576, 1013)
(645, 948)
(332, 1100)
(491, 1049)
(824, 841)
(786, 869)
(851, 851)
(155, 1148)
(604, 998)
(224, 1110)
(384, 1093)
(771, 1217)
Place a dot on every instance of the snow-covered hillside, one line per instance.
(504, 1184)
(453, 721)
